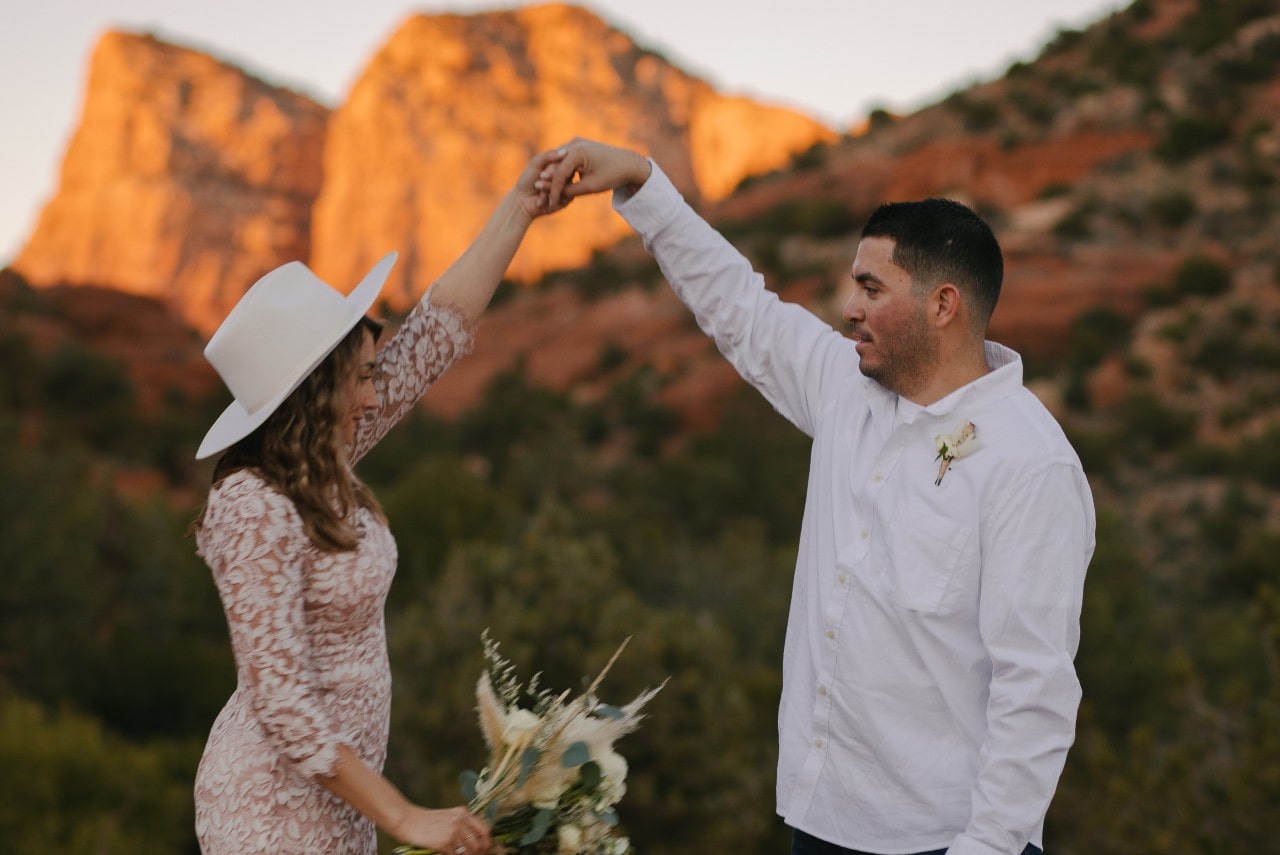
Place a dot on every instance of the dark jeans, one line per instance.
(807, 844)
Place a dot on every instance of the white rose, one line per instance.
(570, 839)
(613, 773)
(520, 725)
(548, 796)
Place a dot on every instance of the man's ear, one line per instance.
(944, 304)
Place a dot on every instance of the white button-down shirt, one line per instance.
(929, 693)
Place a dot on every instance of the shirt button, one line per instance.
(843, 578)
(866, 533)
(822, 690)
(879, 477)
(817, 743)
(831, 633)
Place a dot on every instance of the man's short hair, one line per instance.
(941, 240)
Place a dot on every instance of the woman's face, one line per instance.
(359, 396)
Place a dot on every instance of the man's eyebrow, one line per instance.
(865, 277)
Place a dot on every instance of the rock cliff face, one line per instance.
(185, 180)
(451, 108)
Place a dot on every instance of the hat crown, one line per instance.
(281, 329)
(277, 328)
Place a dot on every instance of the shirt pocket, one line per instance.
(925, 551)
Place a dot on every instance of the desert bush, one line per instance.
(1186, 136)
(1173, 208)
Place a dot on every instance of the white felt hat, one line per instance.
(282, 328)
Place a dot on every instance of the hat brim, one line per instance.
(236, 422)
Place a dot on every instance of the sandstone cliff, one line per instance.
(451, 108)
(185, 180)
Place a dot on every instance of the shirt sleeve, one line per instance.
(430, 340)
(781, 348)
(257, 544)
(1035, 551)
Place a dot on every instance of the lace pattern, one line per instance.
(309, 638)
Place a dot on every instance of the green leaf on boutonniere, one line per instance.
(609, 711)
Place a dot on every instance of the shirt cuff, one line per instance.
(653, 206)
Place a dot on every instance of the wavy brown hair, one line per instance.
(299, 450)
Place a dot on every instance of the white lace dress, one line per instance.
(309, 638)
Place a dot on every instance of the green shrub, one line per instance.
(977, 115)
(1096, 334)
(879, 118)
(1130, 60)
(1260, 458)
(1216, 22)
(66, 785)
(1075, 224)
(1148, 422)
(1202, 276)
(1187, 136)
(1038, 109)
(1159, 296)
(811, 158)
(1173, 208)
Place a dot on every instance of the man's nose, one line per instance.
(852, 310)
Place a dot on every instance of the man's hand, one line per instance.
(598, 167)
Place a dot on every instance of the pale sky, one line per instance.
(834, 59)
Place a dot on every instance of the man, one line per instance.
(929, 694)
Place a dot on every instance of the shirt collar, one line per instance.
(1003, 379)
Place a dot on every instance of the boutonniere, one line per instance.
(953, 445)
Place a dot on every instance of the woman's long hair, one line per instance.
(299, 450)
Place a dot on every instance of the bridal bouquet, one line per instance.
(553, 778)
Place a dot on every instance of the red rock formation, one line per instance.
(186, 179)
(451, 108)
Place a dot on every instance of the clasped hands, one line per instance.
(581, 167)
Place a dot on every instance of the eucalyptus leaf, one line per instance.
(590, 775)
(609, 818)
(575, 755)
(541, 822)
(467, 782)
(528, 762)
(609, 711)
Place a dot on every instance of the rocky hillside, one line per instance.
(187, 178)
(1129, 169)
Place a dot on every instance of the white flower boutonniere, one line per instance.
(953, 445)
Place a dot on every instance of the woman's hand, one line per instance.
(528, 192)
(451, 831)
(598, 167)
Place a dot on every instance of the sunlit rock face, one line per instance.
(185, 180)
(448, 111)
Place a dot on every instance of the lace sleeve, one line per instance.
(430, 340)
(253, 540)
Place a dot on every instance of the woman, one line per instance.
(302, 556)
